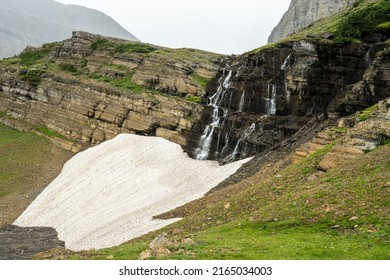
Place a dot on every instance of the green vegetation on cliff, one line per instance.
(180, 73)
(363, 19)
(32, 76)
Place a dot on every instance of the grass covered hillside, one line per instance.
(331, 203)
(28, 164)
(293, 210)
(286, 211)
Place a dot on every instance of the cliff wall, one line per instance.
(269, 96)
(249, 104)
(302, 13)
(89, 89)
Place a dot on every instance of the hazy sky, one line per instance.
(222, 26)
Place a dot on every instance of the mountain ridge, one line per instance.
(24, 23)
(302, 13)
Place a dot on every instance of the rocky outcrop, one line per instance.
(302, 13)
(255, 103)
(361, 138)
(18, 243)
(89, 112)
(134, 91)
(269, 96)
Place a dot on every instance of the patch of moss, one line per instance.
(266, 47)
(101, 43)
(200, 80)
(196, 99)
(124, 82)
(361, 21)
(68, 67)
(135, 47)
(384, 26)
(32, 57)
(367, 113)
(32, 76)
(48, 132)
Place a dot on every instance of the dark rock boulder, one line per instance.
(18, 243)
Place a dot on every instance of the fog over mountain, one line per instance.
(26, 22)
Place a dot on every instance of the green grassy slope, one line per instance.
(27, 164)
(341, 214)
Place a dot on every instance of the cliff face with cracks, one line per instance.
(109, 86)
(267, 97)
(254, 103)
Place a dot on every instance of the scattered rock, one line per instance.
(147, 254)
(163, 252)
(336, 227)
(158, 247)
(159, 242)
(188, 241)
(354, 218)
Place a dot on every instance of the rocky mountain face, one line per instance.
(302, 13)
(269, 96)
(108, 86)
(254, 103)
(32, 23)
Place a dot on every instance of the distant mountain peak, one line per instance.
(24, 22)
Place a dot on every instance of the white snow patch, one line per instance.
(109, 194)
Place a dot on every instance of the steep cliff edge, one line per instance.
(303, 13)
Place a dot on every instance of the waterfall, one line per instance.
(242, 100)
(202, 152)
(247, 132)
(286, 63)
(369, 55)
(270, 104)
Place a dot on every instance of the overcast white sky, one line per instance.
(222, 26)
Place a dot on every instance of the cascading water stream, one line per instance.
(202, 152)
(244, 136)
(227, 109)
(242, 100)
(270, 102)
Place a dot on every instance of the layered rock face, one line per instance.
(256, 101)
(302, 13)
(91, 110)
(265, 98)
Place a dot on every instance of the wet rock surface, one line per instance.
(262, 99)
(17, 243)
